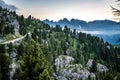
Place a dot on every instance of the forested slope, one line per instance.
(42, 52)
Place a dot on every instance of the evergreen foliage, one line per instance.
(37, 52)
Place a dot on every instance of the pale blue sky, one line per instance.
(57, 9)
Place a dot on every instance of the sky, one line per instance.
(87, 10)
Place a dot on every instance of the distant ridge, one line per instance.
(77, 22)
(107, 29)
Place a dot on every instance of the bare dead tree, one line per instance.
(116, 12)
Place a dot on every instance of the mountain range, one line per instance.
(107, 29)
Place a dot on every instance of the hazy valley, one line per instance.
(106, 29)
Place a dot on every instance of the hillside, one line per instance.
(55, 53)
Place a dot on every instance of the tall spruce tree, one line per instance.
(34, 64)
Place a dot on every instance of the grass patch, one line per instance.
(11, 37)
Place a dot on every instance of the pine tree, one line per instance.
(45, 75)
(34, 63)
(94, 66)
(82, 60)
(4, 66)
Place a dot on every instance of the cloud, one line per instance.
(107, 33)
(4, 5)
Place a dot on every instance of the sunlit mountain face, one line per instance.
(108, 30)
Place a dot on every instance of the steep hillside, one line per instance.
(56, 53)
(9, 25)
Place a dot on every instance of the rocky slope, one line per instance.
(67, 70)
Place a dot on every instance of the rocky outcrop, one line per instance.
(100, 67)
(67, 70)
(63, 61)
(16, 26)
(12, 66)
(89, 64)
